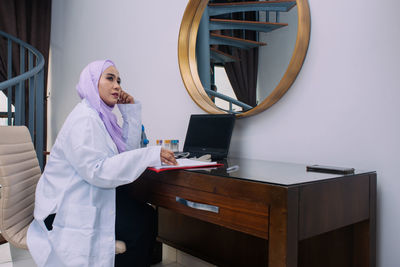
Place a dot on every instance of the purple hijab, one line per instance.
(88, 88)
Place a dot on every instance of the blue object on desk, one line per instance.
(144, 141)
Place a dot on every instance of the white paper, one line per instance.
(186, 163)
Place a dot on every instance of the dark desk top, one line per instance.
(280, 173)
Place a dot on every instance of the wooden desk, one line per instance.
(266, 214)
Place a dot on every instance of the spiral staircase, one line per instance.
(225, 26)
(24, 91)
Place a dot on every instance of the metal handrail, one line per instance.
(28, 74)
(34, 78)
(229, 99)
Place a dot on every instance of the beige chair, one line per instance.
(19, 174)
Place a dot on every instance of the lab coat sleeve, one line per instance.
(132, 125)
(87, 149)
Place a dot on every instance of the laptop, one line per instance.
(209, 134)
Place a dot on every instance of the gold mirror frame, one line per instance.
(188, 63)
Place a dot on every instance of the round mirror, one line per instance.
(242, 56)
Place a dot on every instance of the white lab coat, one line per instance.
(78, 184)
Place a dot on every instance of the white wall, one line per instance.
(342, 110)
(141, 38)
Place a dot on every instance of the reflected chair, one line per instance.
(19, 174)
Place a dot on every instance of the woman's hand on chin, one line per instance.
(125, 98)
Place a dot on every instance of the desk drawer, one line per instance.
(238, 214)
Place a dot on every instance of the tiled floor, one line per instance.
(22, 258)
(5, 256)
(171, 258)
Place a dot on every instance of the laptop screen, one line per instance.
(209, 134)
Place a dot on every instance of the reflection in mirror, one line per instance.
(243, 50)
(203, 43)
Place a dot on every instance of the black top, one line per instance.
(280, 173)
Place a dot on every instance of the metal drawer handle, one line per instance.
(198, 206)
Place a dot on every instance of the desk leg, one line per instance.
(157, 253)
(372, 220)
(365, 232)
(283, 233)
(361, 243)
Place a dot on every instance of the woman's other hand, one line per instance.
(167, 157)
(125, 98)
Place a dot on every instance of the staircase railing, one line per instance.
(230, 100)
(30, 80)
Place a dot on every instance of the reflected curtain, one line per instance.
(242, 74)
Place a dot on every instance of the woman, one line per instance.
(75, 205)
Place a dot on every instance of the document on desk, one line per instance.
(185, 164)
